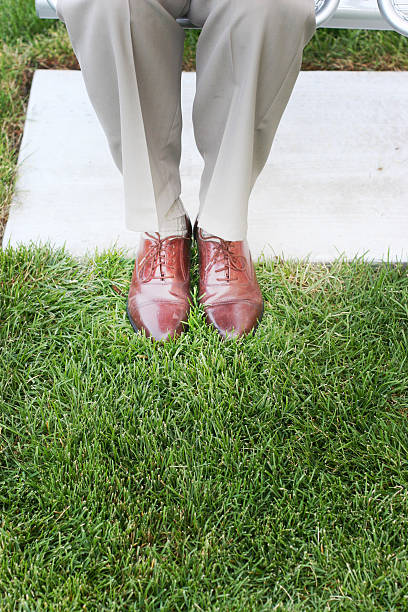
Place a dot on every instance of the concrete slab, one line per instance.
(336, 180)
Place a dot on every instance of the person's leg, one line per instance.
(130, 53)
(248, 58)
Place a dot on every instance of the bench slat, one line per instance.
(350, 14)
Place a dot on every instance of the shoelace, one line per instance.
(160, 255)
(224, 252)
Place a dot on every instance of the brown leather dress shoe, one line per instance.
(159, 293)
(229, 290)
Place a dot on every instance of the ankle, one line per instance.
(177, 227)
(204, 233)
(173, 227)
(168, 233)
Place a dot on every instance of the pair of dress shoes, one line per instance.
(159, 294)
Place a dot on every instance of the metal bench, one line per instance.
(354, 14)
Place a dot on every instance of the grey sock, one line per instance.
(178, 227)
(174, 222)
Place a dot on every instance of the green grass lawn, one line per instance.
(269, 473)
(259, 474)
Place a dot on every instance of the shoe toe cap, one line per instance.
(235, 319)
(160, 321)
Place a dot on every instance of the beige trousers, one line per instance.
(248, 58)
